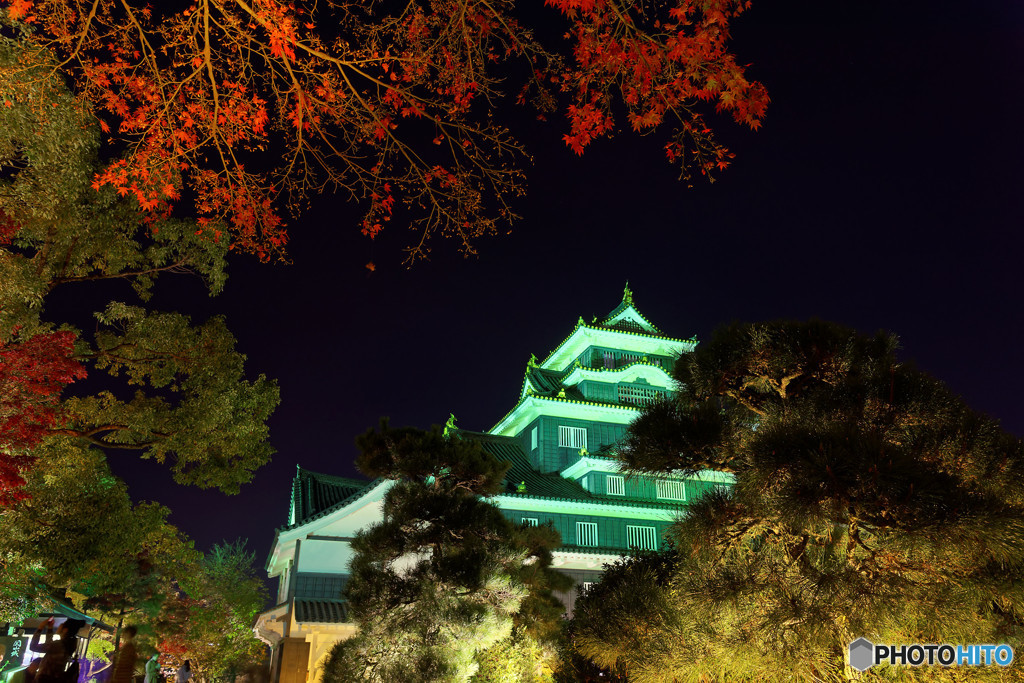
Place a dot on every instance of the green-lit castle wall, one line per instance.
(611, 531)
(573, 410)
(548, 456)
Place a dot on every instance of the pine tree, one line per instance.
(445, 575)
(869, 501)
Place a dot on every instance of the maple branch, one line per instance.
(214, 90)
(177, 267)
(90, 436)
(149, 54)
(81, 38)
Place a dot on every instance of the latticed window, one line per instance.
(586, 534)
(572, 437)
(609, 360)
(669, 489)
(530, 521)
(642, 537)
(630, 393)
(628, 358)
(616, 485)
(586, 586)
(319, 586)
(629, 324)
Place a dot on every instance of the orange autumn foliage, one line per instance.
(238, 110)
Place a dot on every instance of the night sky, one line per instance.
(884, 191)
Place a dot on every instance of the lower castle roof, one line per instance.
(314, 494)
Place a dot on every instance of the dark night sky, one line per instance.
(884, 191)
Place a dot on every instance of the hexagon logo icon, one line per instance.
(862, 654)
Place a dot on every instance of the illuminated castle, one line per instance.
(574, 407)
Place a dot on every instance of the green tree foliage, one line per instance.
(209, 621)
(445, 575)
(869, 501)
(515, 659)
(622, 618)
(77, 530)
(158, 384)
(174, 391)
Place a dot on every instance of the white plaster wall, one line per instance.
(325, 556)
(352, 521)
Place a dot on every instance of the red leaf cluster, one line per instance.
(197, 98)
(660, 70)
(33, 372)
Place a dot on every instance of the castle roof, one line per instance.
(315, 494)
(537, 484)
(321, 611)
(626, 318)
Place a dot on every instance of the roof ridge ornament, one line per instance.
(449, 427)
(532, 363)
(627, 294)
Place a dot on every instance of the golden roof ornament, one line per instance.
(627, 295)
(449, 426)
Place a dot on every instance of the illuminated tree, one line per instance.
(445, 576)
(350, 95)
(869, 501)
(176, 391)
(159, 385)
(628, 611)
(209, 622)
(75, 529)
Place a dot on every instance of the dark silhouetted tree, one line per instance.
(445, 576)
(869, 501)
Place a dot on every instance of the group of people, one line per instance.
(59, 663)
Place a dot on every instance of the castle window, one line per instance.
(642, 537)
(586, 534)
(533, 439)
(572, 437)
(616, 485)
(529, 521)
(629, 393)
(586, 586)
(328, 586)
(609, 360)
(668, 489)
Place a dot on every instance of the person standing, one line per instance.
(124, 669)
(153, 668)
(184, 673)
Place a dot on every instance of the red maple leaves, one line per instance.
(660, 71)
(205, 100)
(33, 372)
